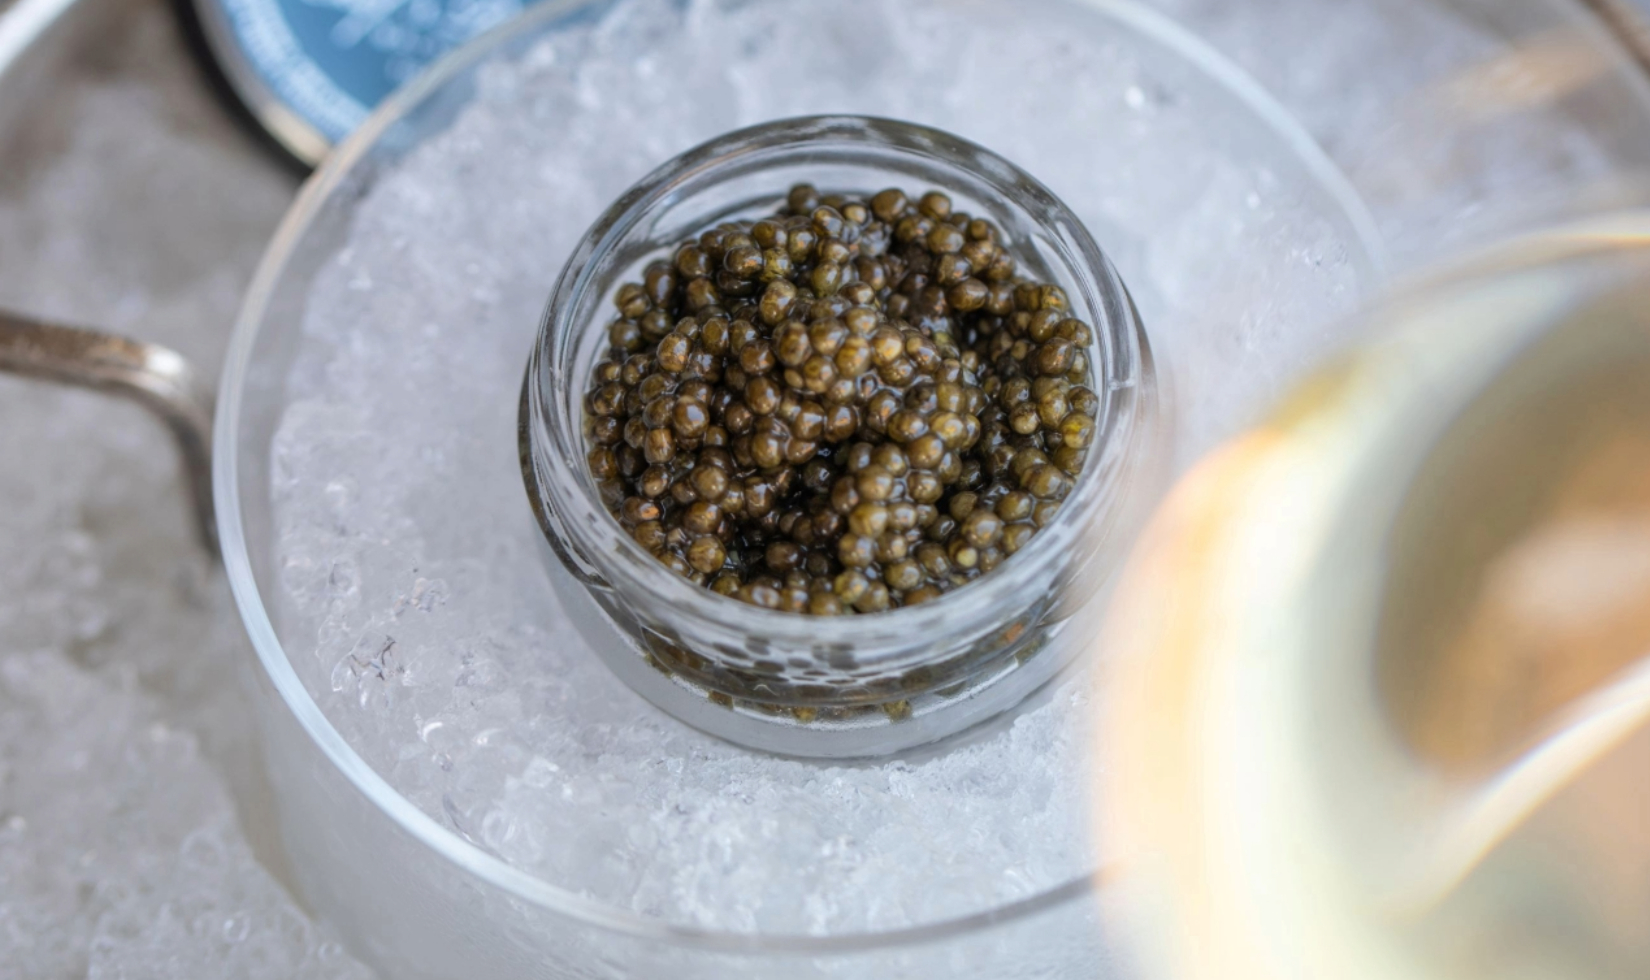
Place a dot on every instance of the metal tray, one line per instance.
(130, 201)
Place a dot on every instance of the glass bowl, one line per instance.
(1240, 266)
(846, 686)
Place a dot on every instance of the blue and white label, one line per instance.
(333, 61)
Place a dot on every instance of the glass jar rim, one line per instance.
(334, 174)
(1124, 382)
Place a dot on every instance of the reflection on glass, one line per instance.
(1384, 702)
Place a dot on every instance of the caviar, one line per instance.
(851, 406)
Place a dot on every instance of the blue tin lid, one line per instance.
(310, 71)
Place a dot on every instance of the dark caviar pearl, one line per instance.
(701, 294)
(604, 430)
(952, 269)
(744, 262)
(655, 480)
(707, 554)
(826, 278)
(945, 239)
(1015, 507)
(892, 459)
(1070, 459)
(803, 199)
(659, 446)
(632, 300)
(768, 234)
(692, 262)
(935, 205)
(853, 405)
(625, 335)
(604, 463)
(968, 296)
(702, 517)
(904, 575)
(1017, 536)
(889, 204)
(777, 301)
(659, 284)
(802, 246)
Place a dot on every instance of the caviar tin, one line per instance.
(309, 73)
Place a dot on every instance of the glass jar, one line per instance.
(854, 685)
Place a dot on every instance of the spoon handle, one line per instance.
(157, 378)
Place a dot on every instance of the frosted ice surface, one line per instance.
(119, 848)
(121, 207)
(415, 604)
(124, 205)
(1385, 87)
